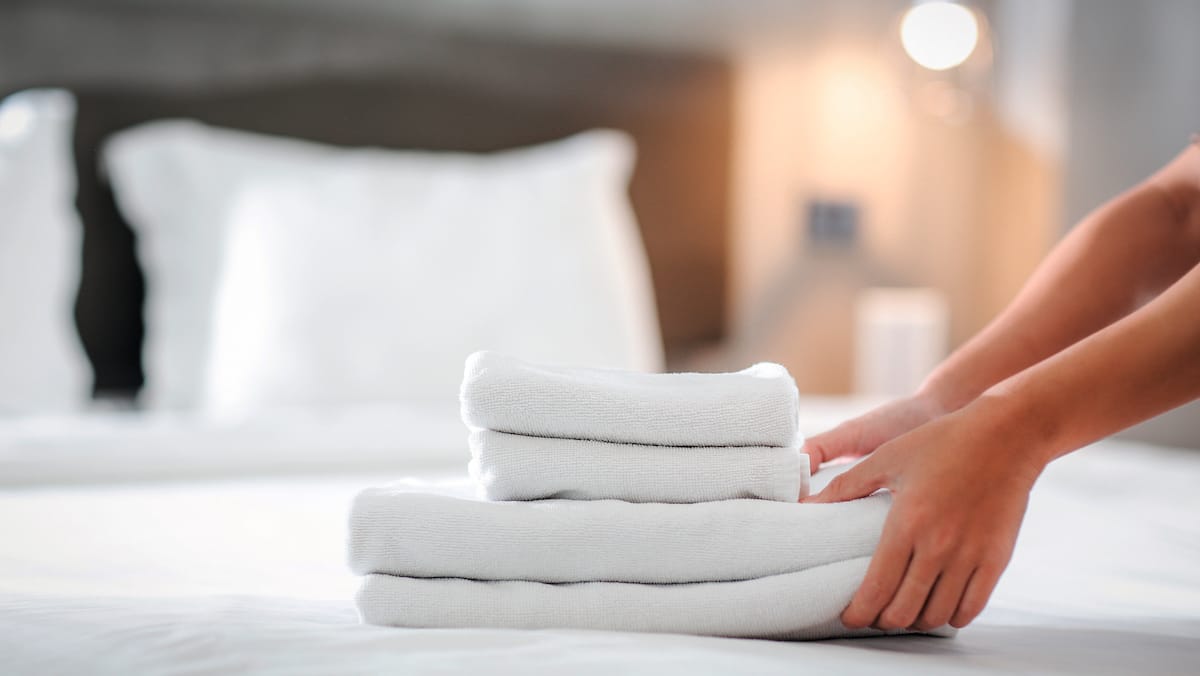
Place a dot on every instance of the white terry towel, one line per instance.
(753, 407)
(800, 605)
(409, 534)
(519, 467)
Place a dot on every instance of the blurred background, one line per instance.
(851, 188)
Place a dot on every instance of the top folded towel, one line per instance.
(757, 406)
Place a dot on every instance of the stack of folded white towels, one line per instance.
(618, 500)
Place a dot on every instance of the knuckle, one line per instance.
(908, 529)
(895, 618)
(970, 553)
(961, 620)
(922, 573)
(923, 515)
(872, 593)
(932, 619)
(966, 614)
(855, 617)
(995, 559)
(815, 448)
(842, 484)
(942, 542)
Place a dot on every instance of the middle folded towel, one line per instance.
(399, 532)
(517, 467)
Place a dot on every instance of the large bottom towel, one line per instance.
(800, 605)
(519, 467)
(805, 604)
(398, 532)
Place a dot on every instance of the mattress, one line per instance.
(235, 571)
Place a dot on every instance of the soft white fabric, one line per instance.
(366, 274)
(42, 364)
(743, 568)
(753, 407)
(519, 467)
(131, 446)
(414, 534)
(801, 605)
(231, 576)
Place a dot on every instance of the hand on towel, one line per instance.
(960, 486)
(862, 435)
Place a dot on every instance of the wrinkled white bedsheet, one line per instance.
(247, 574)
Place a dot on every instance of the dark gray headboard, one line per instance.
(353, 84)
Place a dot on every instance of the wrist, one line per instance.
(936, 398)
(1029, 432)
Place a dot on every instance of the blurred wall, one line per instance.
(957, 177)
(1134, 99)
(954, 179)
(1134, 94)
(1073, 102)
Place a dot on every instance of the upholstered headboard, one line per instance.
(353, 83)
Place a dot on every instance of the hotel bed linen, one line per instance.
(248, 574)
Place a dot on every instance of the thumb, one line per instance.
(858, 482)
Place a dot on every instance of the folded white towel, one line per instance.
(796, 606)
(799, 605)
(398, 532)
(754, 407)
(519, 467)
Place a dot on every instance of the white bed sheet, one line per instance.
(247, 574)
(124, 446)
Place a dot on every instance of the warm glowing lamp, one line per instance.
(939, 34)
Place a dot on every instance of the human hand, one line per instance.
(960, 486)
(862, 435)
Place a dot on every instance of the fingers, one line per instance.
(840, 441)
(814, 458)
(943, 601)
(907, 588)
(887, 569)
(976, 596)
(910, 598)
(922, 579)
(815, 447)
(859, 481)
(864, 434)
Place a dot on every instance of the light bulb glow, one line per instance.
(939, 35)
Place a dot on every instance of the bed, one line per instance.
(144, 540)
(246, 574)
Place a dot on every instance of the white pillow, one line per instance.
(42, 364)
(366, 274)
(174, 182)
(373, 278)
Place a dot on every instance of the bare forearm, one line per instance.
(1142, 365)
(1126, 251)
